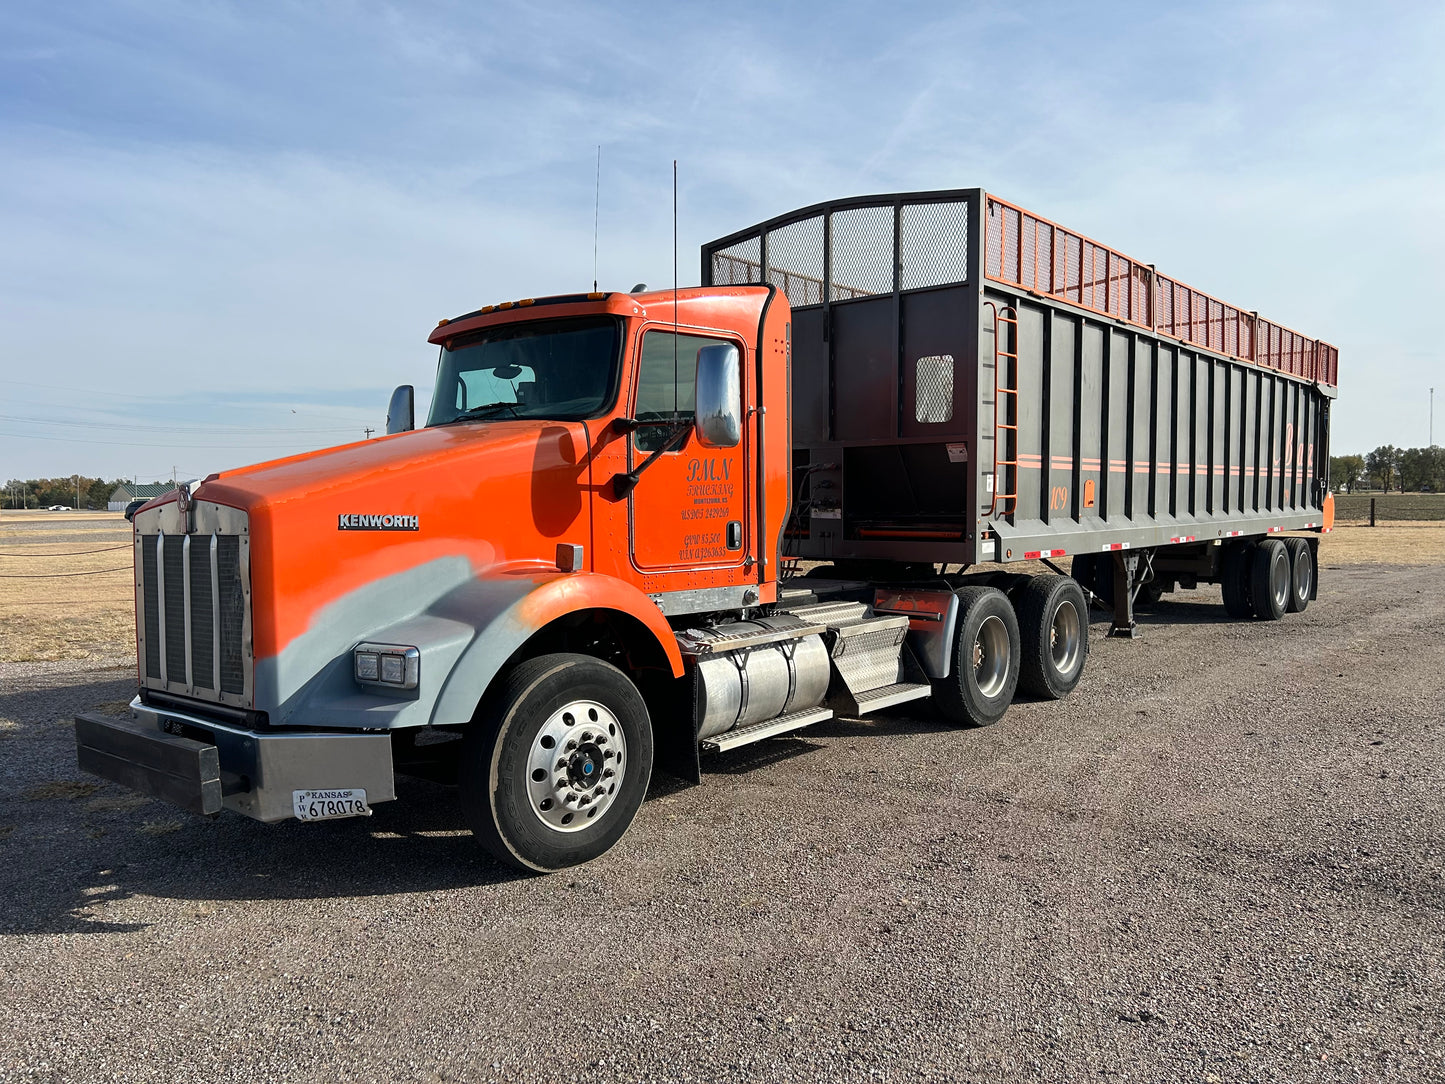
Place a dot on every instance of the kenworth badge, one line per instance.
(350, 521)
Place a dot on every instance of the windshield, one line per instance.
(561, 369)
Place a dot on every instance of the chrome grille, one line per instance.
(193, 598)
(233, 614)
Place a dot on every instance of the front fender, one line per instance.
(465, 637)
(509, 627)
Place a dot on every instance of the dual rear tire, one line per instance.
(1038, 642)
(1267, 579)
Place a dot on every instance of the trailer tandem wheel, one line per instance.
(1269, 579)
(556, 763)
(1053, 618)
(985, 671)
(1234, 576)
(1302, 573)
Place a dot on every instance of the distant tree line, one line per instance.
(1389, 468)
(44, 492)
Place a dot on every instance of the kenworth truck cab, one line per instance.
(585, 562)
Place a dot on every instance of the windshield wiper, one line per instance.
(486, 408)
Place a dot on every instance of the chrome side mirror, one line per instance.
(401, 411)
(717, 397)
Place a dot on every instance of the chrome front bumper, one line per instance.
(205, 766)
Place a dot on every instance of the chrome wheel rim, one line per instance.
(1065, 638)
(1279, 580)
(1303, 574)
(576, 766)
(991, 656)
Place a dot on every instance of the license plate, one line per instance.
(329, 805)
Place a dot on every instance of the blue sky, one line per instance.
(227, 228)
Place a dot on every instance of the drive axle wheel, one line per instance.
(557, 762)
(1054, 627)
(985, 661)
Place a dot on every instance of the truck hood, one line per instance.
(325, 525)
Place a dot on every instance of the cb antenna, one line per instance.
(596, 215)
(674, 287)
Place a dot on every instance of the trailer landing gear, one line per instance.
(1126, 570)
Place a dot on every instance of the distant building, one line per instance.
(128, 492)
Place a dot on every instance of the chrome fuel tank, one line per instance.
(751, 671)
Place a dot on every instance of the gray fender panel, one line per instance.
(464, 627)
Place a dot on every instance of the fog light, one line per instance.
(389, 666)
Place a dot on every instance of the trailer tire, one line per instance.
(1053, 618)
(567, 816)
(1301, 573)
(1269, 580)
(985, 671)
(1234, 581)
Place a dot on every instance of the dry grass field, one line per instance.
(1389, 507)
(66, 586)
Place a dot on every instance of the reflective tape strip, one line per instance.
(1183, 538)
(1034, 555)
(1275, 530)
(1107, 546)
(1232, 534)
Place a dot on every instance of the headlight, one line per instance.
(390, 666)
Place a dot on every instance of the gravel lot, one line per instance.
(1220, 860)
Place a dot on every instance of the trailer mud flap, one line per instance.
(179, 770)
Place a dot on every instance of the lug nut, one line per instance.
(608, 774)
(571, 745)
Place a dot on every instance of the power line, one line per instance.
(72, 553)
(182, 427)
(292, 445)
(63, 575)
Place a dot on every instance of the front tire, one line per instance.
(556, 763)
(1053, 621)
(985, 671)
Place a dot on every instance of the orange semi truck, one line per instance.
(588, 560)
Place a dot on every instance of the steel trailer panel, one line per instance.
(972, 382)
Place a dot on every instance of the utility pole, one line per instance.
(1432, 417)
(368, 432)
(77, 493)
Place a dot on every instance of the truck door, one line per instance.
(689, 510)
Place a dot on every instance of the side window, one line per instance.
(665, 381)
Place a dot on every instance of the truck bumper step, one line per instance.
(178, 770)
(771, 728)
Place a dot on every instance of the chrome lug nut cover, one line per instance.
(586, 776)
